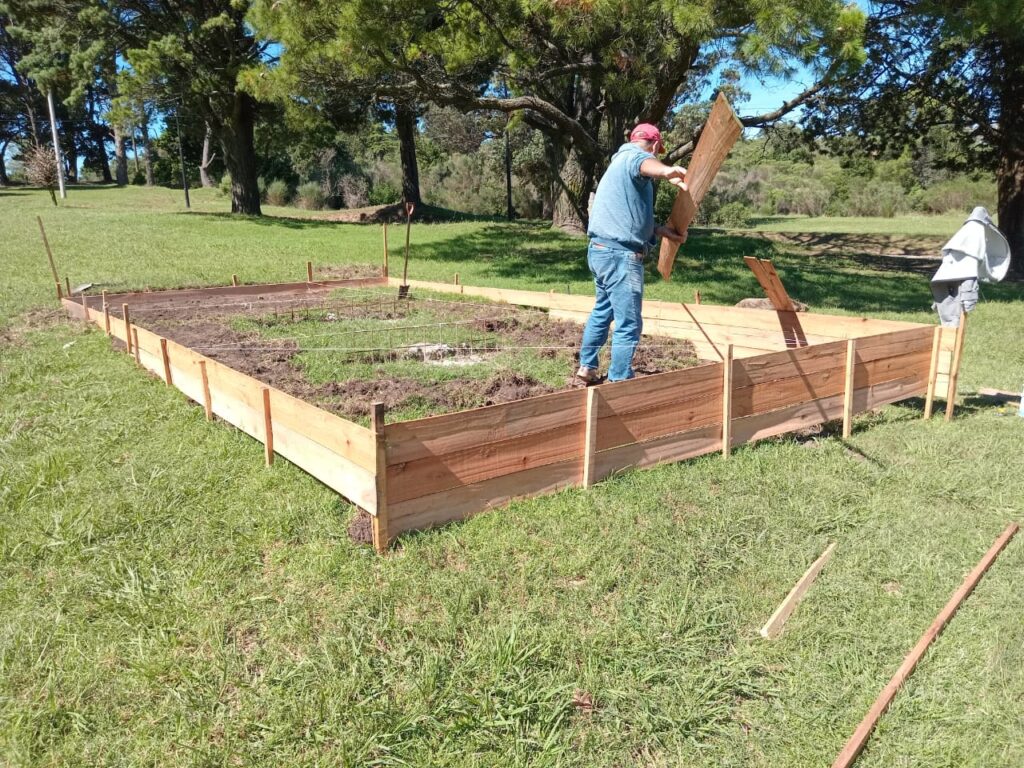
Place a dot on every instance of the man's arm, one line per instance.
(655, 169)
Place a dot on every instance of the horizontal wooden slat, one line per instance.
(343, 438)
(676, 447)
(138, 298)
(459, 503)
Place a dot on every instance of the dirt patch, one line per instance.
(345, 271)
(360, 528)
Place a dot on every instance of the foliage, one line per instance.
(277, 193)
(310, 195)
(40, 168)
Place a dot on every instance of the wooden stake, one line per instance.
(727, 402)
(49, 257)
(127, 328)
(207, 400)
(234, 280)
(774, 625)
(85, 306)
(860, 736)
(381, 535)
(696, 297)
(590, 437)
(268, 428)
(309, 271)
(954, 368)
(135, 345)
(933, 372)
(456, 278)
(106, 318)
(384, 270)
(851, 364)
(67, 286)
(167, 361)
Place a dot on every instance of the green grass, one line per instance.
(167, 600)
(942, 226)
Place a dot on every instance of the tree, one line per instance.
(948, 66)
(581, 71)
(195, 54)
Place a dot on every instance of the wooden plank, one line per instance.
(126, 318)
(774, 625)
(135, 344)
(268, 427)
(381, 528)
(49, 258)
(772, 286)
(671, 448)
(344, 438)
(467, 500)
(716, 139)
(727, 385)
(139, 298)
(590, 438)
(954, 371)
(860, 736)
(166, 362)
(933, 373)
(851, 365)
(207, 402)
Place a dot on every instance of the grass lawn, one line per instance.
(167, 600)
(942, 226)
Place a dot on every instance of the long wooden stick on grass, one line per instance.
(774, 625)
(860, 736)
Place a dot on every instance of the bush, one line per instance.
(877, 198)
(40, 168)
(277, 193)
(809, 197)
(310, 196)
(354, 190)
(384, 193)
(224, 187)
(956, 195)
(733, 215)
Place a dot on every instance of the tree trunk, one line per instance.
(238, 144)
(120, 158)
(4, 180)
(405, 124)
(101, 155)
(144, 128)
(1010, 171)
(576, 182)
(204, 174)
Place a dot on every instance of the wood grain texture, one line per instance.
(381, 520)
(954, 369)
(848, 385)
(933, 373)
(590, 437)
(727, 404)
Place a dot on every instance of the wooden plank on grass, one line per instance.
(774, 625)
(856, 743)
(716, 139)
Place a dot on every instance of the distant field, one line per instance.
(166, 599)
(936, 226)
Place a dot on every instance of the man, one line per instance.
(621, 233)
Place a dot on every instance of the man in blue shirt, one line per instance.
(622, 232)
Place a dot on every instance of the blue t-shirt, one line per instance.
(623, 210)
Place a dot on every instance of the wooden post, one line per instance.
(49, 257)
(234, 280)
(135, 345)
(954, 368)
(384, 270)
(85, 306)
(268, 428)
(309, 271)
(590, 437)
(851, 364)
(127, 328)
(860, 736)
(67, 286)
(727, 402)
(933, 372)
(106, 318)
(773, 627)
(381, 535)
(207, 400)
(456, 278)
(696, 297)
(167, 361)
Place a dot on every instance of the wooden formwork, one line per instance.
(769, 373)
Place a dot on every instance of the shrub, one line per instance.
(310, 196)
(384, 193)
(809, 197)
(877, 198)
(277, 192)
(734, 215)
(224, 187)
(354, 190)
(961, 195)
(40, 167)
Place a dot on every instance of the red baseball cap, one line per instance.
(646, 132)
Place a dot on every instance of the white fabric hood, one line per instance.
(977, 250)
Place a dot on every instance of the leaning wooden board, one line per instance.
(719, 134)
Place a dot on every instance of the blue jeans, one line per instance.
(619, 285)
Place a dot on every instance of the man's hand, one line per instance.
(675, 175)
(670, 234)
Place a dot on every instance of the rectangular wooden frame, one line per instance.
(774, 372)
